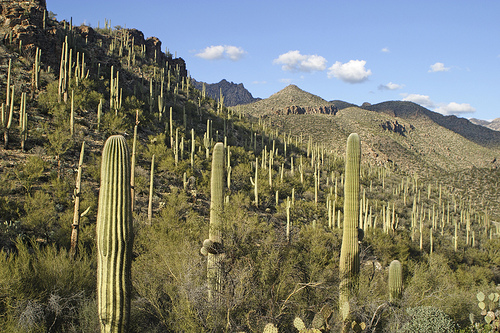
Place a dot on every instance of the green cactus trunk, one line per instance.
(395, 280)
(114, 237)
(349, 255)
(215, 259)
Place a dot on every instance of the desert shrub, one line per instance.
(43, 288)
(41, 214)
(428, 319)
(30, 172)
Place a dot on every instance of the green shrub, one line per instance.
(41, 215)
(428, 319)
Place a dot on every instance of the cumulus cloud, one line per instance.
(423, 100)
(455, 108)
(353, 71)
(234, 53)
(216, 52)
(293, 61)
(452, 108)
(390, 86)
(438, 67)
(385, 50)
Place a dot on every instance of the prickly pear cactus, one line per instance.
(270, 328)
(490, 309)
(114, 237)
(301, 327)
(349, 255)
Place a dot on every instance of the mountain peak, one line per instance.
(291, 100)
(234, 94)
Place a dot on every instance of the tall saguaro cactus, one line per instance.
(349, 255)
(114, 237)
(213, 246)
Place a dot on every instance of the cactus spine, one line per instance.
(114, 237)
(349, 255)
(395, 280)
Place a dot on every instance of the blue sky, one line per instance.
(444, 55)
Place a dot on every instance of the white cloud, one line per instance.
(259, 82)
(234, 52)
(438, 67)
(385, 50)
(353, 71)
(293, 61)
(287, 81)
(452, 108)
(216, 52)
(455, 108)
(390, 86)
(423, 100)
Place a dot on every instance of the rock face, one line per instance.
(234, 94)
(327, 109)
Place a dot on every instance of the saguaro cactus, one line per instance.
(349, 255)
(213, 246)
(75, 227)
(114, 237)
(395, 280)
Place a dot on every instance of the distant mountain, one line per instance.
(403, 134)
(291, 100)
(494, 124)
(234, 94)
(409, 110)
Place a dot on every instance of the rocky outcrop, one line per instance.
(327, 109)
(22, 22)
(394, 126)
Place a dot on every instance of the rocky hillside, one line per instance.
(408, 110)
(412, 137)
(26, 26)
(234, 94)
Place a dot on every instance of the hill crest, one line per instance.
(291, 100)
